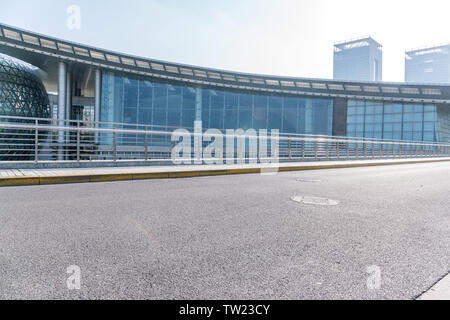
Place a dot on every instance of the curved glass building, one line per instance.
(127, 89)
(22, 93)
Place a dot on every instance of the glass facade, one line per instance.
(378, 120)
(21, 91)
(22, 94)
(144, 102)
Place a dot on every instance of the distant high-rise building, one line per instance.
(358, 60)
(428, 65)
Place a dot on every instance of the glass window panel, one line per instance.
(418, 108)
(430, 108)
(370, 109)
(360, 110)
(290, 116)
(428, 126)
(260, 117)
(351, 111)
(407, 126)
(159, 117)
(175, 98)
(145, 116)
(231, 100)
(188, 98)
(429, 116)
(231, 118)
(417, 136)
(245, 118)
(188, 118)
(160, 99)
(370, 118)
(145, 94)
(417, 127)
(130, 93)
(275, 106)
(407, 135)
(428, 136)
(216, 119)
(245, 100)
(418, 116)
(130, 115)
(408, 108)
(397, 118)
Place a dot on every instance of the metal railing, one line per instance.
(34, 139)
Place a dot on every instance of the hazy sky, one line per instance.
(279, 37)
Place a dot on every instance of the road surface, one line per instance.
(231, 237)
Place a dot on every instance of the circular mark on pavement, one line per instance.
(307, 180)
(315, 200)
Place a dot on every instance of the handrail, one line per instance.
(24, 138)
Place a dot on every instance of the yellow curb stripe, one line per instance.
(62, 179)
(244, 171)
(183, 174)
(207, 173)
(19, 181)
(150, 175)
(111, 177)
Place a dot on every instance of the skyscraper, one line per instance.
(358, 60)
(428, 65)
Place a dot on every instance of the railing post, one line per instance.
(258, 147)
(315, 149)
(356, 150)
(290, 148)
(348, 150)
(303, 149)
(327, 150)
(337, 150)
(365, 150)
(146, 146)
(78, 142)
(36, 141)
(114, 144)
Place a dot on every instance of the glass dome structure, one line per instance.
(21, 91)
(22, 94)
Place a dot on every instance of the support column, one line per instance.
(198, 104)
(62, 91)
(198, 130)
(98, 99)
(68, 96)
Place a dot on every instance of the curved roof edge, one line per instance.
(78, 53)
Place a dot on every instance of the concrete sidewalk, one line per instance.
(15, 177)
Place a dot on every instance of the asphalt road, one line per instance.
(230, 237)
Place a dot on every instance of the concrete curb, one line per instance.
(65, 179)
